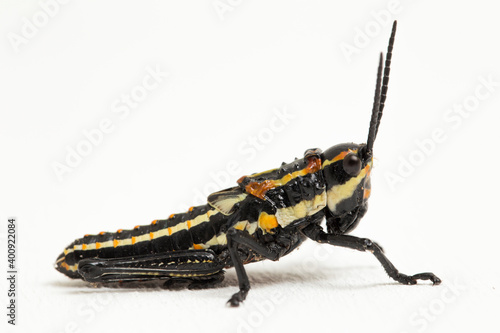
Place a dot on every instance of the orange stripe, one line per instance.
(115, 242)
(97, 245)
(339, 156)
(133, 240)
(151, 235)
(169, 231)
(197, 247)
(189, 224)
(84, 246)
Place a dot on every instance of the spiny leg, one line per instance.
(235, 237)
(316, 233)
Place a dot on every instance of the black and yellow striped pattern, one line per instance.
(198, 228)
(269, 201)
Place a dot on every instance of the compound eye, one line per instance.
(352, 164)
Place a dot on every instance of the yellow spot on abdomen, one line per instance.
(267, 222)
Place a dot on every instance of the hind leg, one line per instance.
(211, 282)
(207, 282)
(186, 265)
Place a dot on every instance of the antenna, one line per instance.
(387, 71)
(380, 94)
(375, 111)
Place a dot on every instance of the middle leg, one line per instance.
(234, 238)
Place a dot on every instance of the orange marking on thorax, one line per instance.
(197, 247)
(259, 189)
(191, 208)
(366, 193)
(154, 222)
(136, 227)
(267, 222)
(171, 216)
(102, 233)
(65, 265)
(313, 165)
(119, 231)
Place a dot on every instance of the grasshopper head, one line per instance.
(346, 169)
(347, 166)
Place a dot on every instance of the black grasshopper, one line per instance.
(266, 216)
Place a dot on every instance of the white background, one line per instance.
(229, 70)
